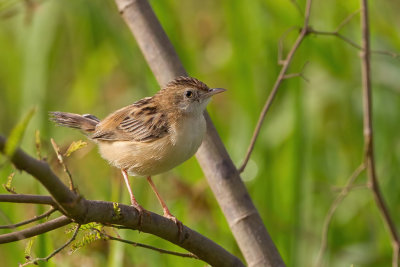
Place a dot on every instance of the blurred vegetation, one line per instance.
(79, 56)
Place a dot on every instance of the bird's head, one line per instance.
(188, 95)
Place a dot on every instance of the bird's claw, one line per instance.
(176, 221)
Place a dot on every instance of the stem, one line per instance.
(368, 132)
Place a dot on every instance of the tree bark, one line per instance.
(243, 218)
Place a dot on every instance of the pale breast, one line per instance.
(161, 155)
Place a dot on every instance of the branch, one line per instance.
(281, 77)
(31, 199)
(332, 210)
(34, 219)
(136, 244)
(222, 176)
(55, 252)
(60, 159)
(368, 132)
(347, 40)
(35, 230)
(84, 211)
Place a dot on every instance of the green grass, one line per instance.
(79, 56)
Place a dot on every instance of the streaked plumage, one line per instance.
(154, 134)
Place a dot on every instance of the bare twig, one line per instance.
(136, 244)
(346, 20)
(61, 161)
(297, 6)
(35, 230)
(368, 132)
(332, 209)
(286, 63)
(336, 33)
(36, 218)
(55, 252)
(281, 61)
(297, 74)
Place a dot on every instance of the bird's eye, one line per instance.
(188, 94)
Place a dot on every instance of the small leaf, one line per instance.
(74, 147)
(28, 248)
(117, 211)
(17, 133)
(89, 226)
(86, 240)
(8, 186)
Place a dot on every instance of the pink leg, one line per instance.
(134, 203)
(167, 213)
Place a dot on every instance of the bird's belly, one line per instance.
(146, 159)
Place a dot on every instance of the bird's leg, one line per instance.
(167, 213)
(134, 203)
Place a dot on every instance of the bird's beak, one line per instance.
(213, 91)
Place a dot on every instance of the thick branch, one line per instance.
(368, 132)
(85, 211)
(229, 190)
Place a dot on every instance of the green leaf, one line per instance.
(87, 239)
(17, 133)
(74, 147)
(28, 248)
(8, 185)
(117, 211)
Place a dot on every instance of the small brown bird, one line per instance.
(151, 136)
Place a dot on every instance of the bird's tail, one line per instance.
(86, 122)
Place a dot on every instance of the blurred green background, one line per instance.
(79, 56)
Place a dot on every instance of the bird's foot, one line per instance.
(141, 212)
(178, 223)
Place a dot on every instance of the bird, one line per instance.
(150, 136)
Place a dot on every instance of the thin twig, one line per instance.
(354, 44)
(61, 161)
(368, 132)
(36, 218)
(297, 6)
(332, 210)
(35, 230)
(347, 40)
(135, 244)
(55, 252)
(298, 74)
(281, 77)
(346, 20)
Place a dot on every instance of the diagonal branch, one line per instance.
(34, 219)
(224, 179)
(369, 134)
(84, 211)
(285, 66)
(35, 230)
(332, 210)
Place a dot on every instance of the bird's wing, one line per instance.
(141, 121)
